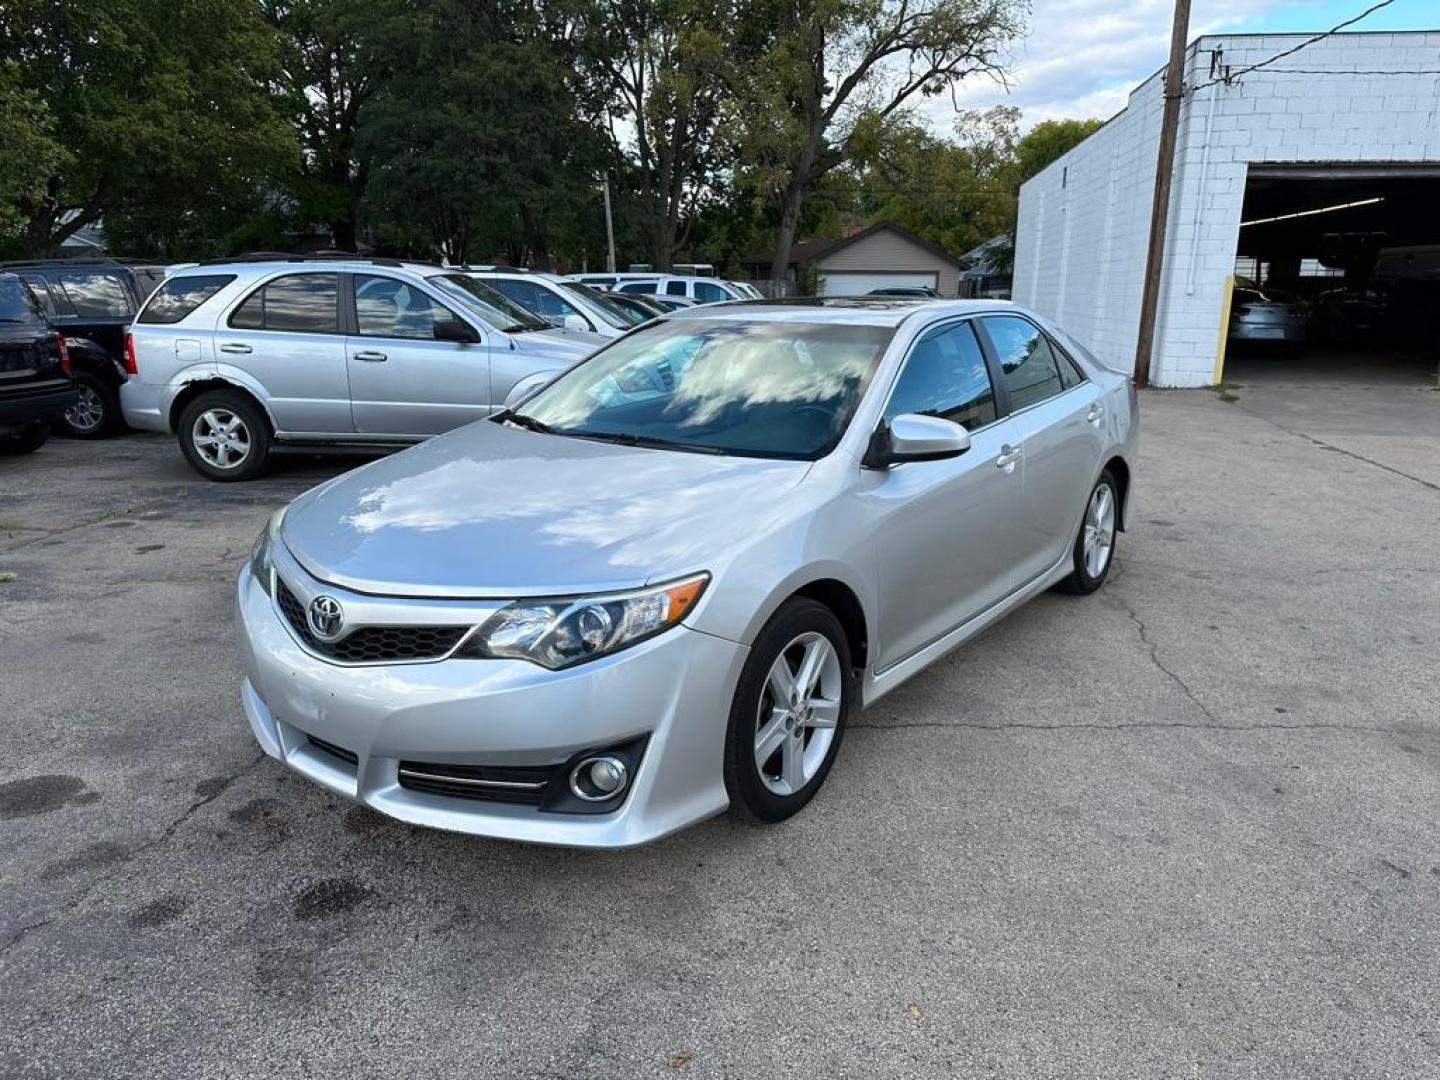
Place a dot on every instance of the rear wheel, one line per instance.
(225, 436)
(1094, 547)
(97, 412)
(789, 714)
(27, 441)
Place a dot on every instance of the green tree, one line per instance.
(31, 154)
(837, 71)
(1046, 141)
(162, 111)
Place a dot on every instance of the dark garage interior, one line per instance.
(1337, 276)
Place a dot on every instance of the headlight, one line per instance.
(559, 633)
(261, 565)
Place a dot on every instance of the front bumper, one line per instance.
(675, 688)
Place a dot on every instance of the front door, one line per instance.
(1060, 416)
(946, 529)
(402, 380)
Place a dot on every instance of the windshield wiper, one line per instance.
(627, 438)
(529, 423)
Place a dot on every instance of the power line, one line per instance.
(1357, 71)
(1230, 76)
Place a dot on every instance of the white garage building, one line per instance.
(1298, 170)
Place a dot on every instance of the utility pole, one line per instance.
(609, 227)
(1164, 166)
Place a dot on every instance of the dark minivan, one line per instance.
(35, 383)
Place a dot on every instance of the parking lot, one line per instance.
(1185, 827)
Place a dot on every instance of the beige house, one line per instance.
(884, 256)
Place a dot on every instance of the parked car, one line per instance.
(664, 583)
(641, 308)
(668, 303)
(560, 301)
(92, 302)
(1268, 315)
(915, 292)
(35, 383)
(243, 359)
(701, 289)
(1350, 313)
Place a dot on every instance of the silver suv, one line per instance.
(243, 359)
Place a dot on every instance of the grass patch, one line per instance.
(6, 577)
(1225, 391)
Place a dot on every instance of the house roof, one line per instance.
(809, 251)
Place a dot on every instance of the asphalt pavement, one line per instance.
(1186, 827)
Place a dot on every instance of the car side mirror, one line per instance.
(456, 331)
(913, 437)
(575, 322)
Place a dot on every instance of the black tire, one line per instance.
(1081, 581)
(750, 797)
(97, 415)
(27, 441)
(252, 424)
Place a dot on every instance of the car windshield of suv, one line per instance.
(612, 313)
(498, 311)
(17, 305)
(753, 389)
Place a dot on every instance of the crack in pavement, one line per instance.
(169, 831)
(1154, 649)
(85, 523)
(1342, 451)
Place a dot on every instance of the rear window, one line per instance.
(95, 294)
(17, 305)
(179, 296)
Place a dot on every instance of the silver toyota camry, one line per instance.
(663, 584)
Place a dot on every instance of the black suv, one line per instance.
(35, 384)
(92, 302)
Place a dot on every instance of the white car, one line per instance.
(560, 301)
(704, 290)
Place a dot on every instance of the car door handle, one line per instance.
(234, 347)
(370, 356)
(1009, 455)
(1096, 414)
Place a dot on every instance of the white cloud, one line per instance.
(1083, 57)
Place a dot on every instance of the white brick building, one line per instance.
(1343, 116)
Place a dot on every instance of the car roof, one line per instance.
(874, 310)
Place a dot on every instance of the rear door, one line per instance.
(402, 380)
(1059, 417)
(285, 336)
(29, 353)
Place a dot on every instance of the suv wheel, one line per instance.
(27, 441)
(794, 698)
(224, 436)
(97, 413)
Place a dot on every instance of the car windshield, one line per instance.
(499, 311)
(611, 312)
(17, 305)
(749, 388)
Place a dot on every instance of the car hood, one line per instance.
(570, 346)
(490, 510)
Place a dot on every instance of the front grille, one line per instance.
(348, 756)
(485, 782)
(370, 644)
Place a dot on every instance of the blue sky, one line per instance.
(1083, 57)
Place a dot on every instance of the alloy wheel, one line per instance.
(221, 438)
(1099, 530)
(798, 712)
(88, 412)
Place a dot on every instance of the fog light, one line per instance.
(596, 779)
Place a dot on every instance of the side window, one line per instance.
(179, 296)
(945, 376)
(41, 292)
(1031, 373)
(18, 304)
(637, 287)
(95, 295)
(674, 288)
(1070, 373)
(709, 294)
(385, 307)
(299, 303)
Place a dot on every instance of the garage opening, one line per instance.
(1337, 277)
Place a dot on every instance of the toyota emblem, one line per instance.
(326, 618)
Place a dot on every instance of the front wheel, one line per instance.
(1094, 547)
(790, 709)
